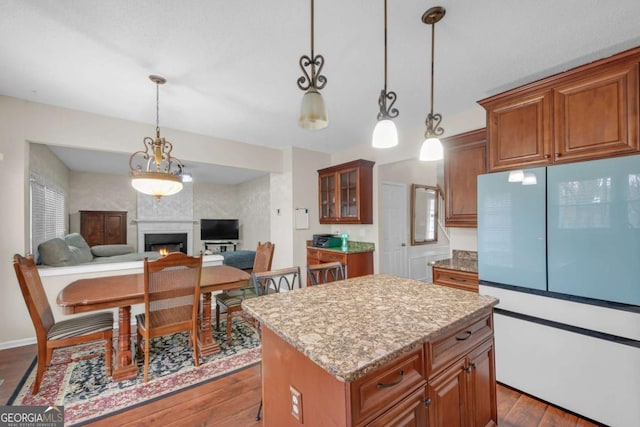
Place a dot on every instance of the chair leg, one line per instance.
(259, 414)
(146, 358)
(194, 343)
(41, 368)
(229, 324)
(217, 316)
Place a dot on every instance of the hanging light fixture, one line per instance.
(154, 171)
(385, 134)
(432, 147)
(313, 112)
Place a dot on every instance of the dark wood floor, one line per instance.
(233, 401)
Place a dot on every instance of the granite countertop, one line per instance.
(460, 261)
(352, 327)
(354, 247)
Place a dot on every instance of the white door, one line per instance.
(394, 229)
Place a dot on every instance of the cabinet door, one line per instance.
(327, 193)
(349, 194)
(411, 412)
(447, 394)
(92, 227)
(115, 228)
(465, 158)
(482, 386)
(519, 131)
(597, 116)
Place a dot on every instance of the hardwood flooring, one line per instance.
(233, 401)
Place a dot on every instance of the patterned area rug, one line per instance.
(87, 393)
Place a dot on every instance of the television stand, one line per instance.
(222, 244)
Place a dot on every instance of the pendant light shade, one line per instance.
(154, 171)
(313, 111)
(385, 134)
(432, 147)
(431, 150)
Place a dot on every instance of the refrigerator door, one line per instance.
(511, 229)
(594, 229)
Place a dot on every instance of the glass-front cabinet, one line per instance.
(345, 193)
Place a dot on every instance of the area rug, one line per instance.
(88, 394)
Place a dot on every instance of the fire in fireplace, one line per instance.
(165, 242)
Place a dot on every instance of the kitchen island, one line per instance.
(377, 350)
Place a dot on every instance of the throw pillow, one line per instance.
(55, 252)
(111, 250)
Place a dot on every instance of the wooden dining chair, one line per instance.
(232, 300)
(324, 273)
(171, 301)
(65, 333)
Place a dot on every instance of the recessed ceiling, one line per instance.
(232, 66)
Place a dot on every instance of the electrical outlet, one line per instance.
(296, 403)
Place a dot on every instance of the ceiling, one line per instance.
(232, 66)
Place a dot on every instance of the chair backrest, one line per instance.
(276, 280)
(172, 281)
(324, 273)
(34, 295)
(264, 256)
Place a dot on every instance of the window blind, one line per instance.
(48, 219)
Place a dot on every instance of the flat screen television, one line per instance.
(219, 229)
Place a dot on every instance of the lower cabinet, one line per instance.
(463, 393)
(356, 263)
(411, 412)
(455, 279)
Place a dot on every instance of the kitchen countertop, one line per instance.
(354, 326)
(460, 261)
(354, 247)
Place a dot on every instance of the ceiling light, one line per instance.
(432, 147)
(385, 134)
(313, 112)
(154, 171)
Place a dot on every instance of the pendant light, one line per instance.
(385, 134)
(154, 171)
(313, 112)
(432, 147)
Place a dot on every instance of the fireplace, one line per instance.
(165, 242)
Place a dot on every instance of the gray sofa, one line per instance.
(74, 250)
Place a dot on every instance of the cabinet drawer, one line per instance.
(456, 279)
(327, 256)
(443, 350)
(381, 389)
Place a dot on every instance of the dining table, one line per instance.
(121, 292)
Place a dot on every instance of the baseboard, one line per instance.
(17, 343)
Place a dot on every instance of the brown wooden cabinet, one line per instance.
(103, 227)
(586, 113)
(456, 279)
(345, 193)
(461, 385)
(356, 263)
(464, 159)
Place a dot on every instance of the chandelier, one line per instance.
(313, 112)
(385, 134)
(154, 171)
(432, 147)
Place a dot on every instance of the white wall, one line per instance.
(253, 212)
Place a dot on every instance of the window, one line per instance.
(48, 219)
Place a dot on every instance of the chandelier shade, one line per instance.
(313, 111)
(432, 147)
(385, 134)
(154, 171)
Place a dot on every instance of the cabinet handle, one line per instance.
(396, 382)
(465, 337)
(427, 402)
(558, 154)
(457, 279)
(547, 156)
(469, 368)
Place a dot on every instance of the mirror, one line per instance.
(424, 214)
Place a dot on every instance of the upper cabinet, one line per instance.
(464, 159)
(103, 227)
(588, 112)
(345, 193)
